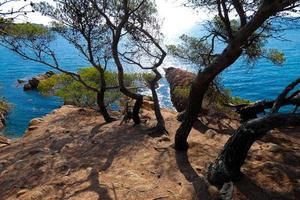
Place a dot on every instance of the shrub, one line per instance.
(4, 106)
(73, 92)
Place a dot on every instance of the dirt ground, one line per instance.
(72, 154)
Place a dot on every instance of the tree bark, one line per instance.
(250, 111)
(160, 127)
(228, 164)
(198, 89)
(115, 53)
(100, 98)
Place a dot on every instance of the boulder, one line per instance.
(35, 121)
(27, 87)
(33, 83)
(178, 78)
(20, 81)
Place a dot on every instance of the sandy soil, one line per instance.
(72, 154)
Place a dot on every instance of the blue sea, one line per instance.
(261, 81)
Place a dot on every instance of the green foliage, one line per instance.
(26, 30)
(182, 92)
(146, 78)
(191, 49)
(276, 56)
(4, 106)
(236, 100)
(213, 97)
(73, 92)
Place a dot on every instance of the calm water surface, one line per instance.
(262, 81)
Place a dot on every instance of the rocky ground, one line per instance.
(72, 154)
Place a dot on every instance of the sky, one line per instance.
(176, 18)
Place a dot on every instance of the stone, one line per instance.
(164, 138)
(210, 133)
(33, 83)
(20, 81)
(226, 192)
(212, 190)
(27, 87)
(273, 147)
(4, 140)
(35, 121)
(21, 192)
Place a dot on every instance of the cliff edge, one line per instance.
(73, 154)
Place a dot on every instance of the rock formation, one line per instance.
(4, 109)
(34, 81)
(178, 79)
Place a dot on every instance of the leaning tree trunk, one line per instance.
(194, 105)
(137, 97)
(198, 89)
(229, 55)
(228, 164)
(100, 98)
(160, 127)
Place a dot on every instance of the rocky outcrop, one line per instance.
(178, 80)
(4, 109)
(33, 83)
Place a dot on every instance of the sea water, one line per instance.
(261, 81)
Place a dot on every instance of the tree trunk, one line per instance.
(250, 111)
(196, 96)
(102, 107)
(229, 55)
(160, 127)
(228, 164)
(115, 53)
(198, 89)
(100, 98)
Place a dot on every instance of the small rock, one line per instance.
(274, 147)
(35, 121)
(4, 140)
(210, 133)
(212, 190)
(143, 188)
(34, 81)
(226, 192)
(164, 139)
(21, 192)
(20, 81)
(31, 128)
(27, 87)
